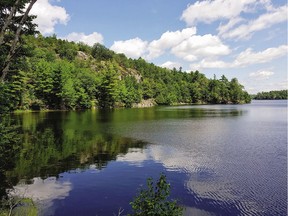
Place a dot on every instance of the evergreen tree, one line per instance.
(108, 90)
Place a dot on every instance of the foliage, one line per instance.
(18, 206)
(59, 74)
(272, 95)
(154, 200)
(108, 90)
(14, 22)
(9, 149)
(100, 52)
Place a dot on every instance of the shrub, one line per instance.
(154, 200)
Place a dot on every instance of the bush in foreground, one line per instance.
(154, 201)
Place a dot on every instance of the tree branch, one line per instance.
(13, 47)
(8, 21)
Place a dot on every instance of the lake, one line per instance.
(219, 159)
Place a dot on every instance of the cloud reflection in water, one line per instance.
(43, 192)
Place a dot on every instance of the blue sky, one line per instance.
(246, 39)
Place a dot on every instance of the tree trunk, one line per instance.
(8, 21)
(13, 47)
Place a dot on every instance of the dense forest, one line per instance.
(40, 73)
(271, 95)
(57, 74)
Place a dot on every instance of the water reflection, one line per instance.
(43, 192)
(220, 160)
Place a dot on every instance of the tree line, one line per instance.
(57, 74)
(271, 95)
(49, 73)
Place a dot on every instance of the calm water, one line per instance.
(219, 159)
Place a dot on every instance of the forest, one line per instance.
(57, 74)
(271, 95)
(48, 73)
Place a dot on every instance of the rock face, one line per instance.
(145, 103)
(81, 55)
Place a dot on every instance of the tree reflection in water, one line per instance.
(33, 145)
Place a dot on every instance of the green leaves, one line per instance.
(272, 95)
(154, 201)
(108, 90)
(59, 74)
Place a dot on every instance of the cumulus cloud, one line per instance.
(184, 44)
(89, 39)
(168, 40)
(133, 48)
(264, 21)
(263, 74)
(208, 11)
(244, 59)
(200, 46)
(171, 65)
(136, 47)
(48, 16)
(248, 57)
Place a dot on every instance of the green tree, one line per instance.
(147, 86)
(100, 52)
(67, 50)
(154, 201)
(108, 91)
(14, 22)
(272, 95)
(235, 91)
(214, 91)
(130, 92)
(43, 81)
(224, 90)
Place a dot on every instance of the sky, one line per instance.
(246, 39)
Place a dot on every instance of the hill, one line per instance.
(57, 74)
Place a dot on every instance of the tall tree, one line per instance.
(108, 91)
(14, 21)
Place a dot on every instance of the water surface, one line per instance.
(219, 159)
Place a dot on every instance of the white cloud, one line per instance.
(89, 39)
(48, 16)
(248, 57)
(136, 47)
(197, 46)
(208, 11)
(210, 64)
(263, 74)
(169, 40)
(232, 22)
(264, 21)
(133, 48)
(171, 65)
(244, 59)
(183, 44)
